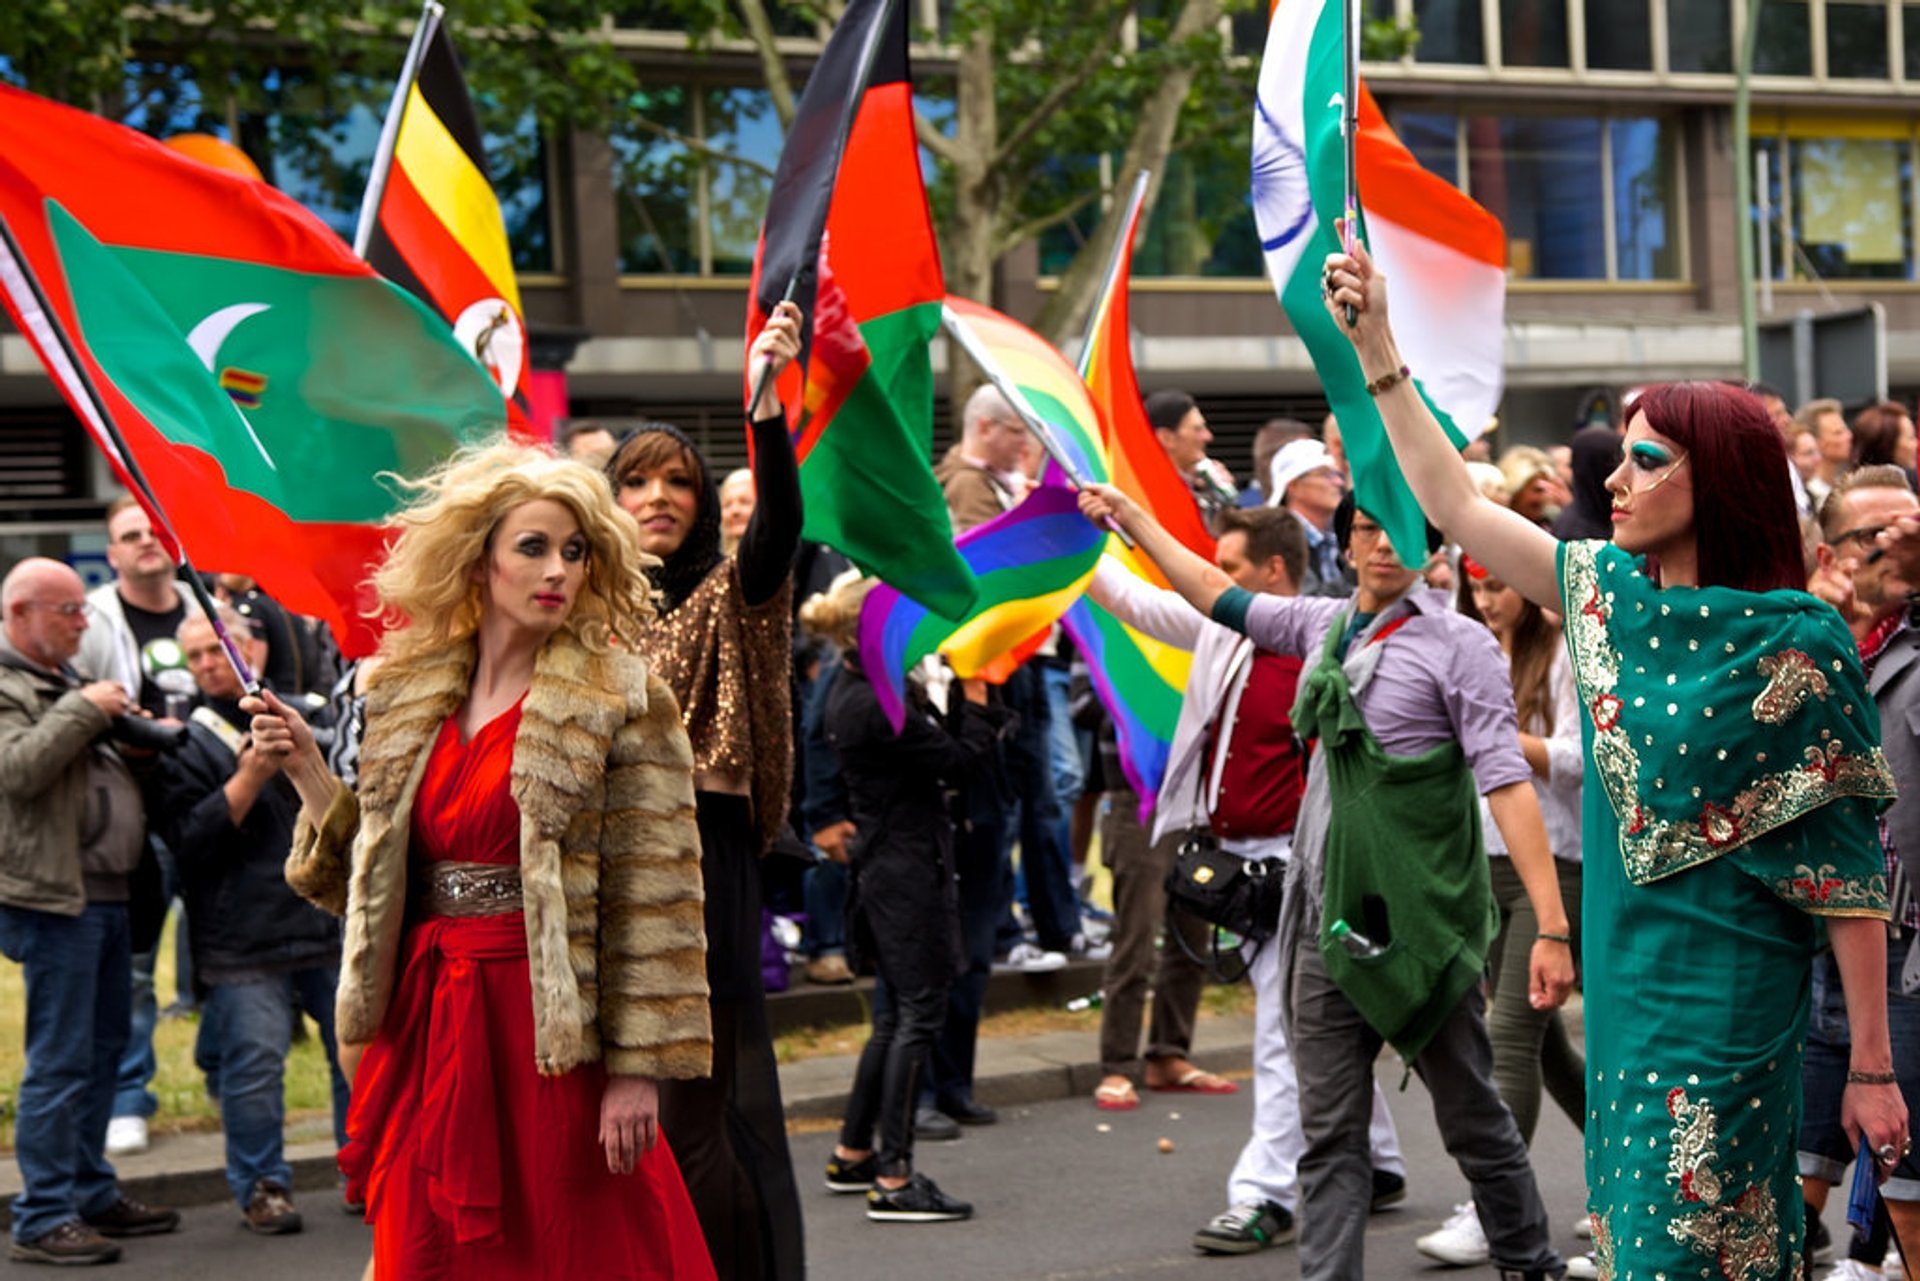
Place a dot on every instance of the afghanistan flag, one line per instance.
(847, 224)
(1444, 254)
(436, 227)
(260, 376)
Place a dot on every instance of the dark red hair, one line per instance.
(1746, 528)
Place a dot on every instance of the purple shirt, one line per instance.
(1442, 678)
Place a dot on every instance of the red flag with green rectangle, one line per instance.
(261, 377)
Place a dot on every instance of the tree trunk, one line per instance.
(1065, 313)
(772, 66)
(967, 250)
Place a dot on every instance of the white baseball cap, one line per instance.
(1295, 459)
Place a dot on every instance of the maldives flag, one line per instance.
(437, 228)
(1444, 256)
(847, 225)
(261, 377)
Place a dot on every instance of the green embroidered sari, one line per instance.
(1733, 777)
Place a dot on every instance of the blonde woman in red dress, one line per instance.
(520, 875)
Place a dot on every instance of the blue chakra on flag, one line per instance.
(1282, 200)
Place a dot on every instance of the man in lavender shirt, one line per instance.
(1423, 680)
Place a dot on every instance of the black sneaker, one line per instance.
(934, 1126)
(1388, 1189)
(1819, 1242)
(129, 1218)
(1245, 1229)
(850, 1176)
(72, 1243)
(965, 1109)
(921, 1201)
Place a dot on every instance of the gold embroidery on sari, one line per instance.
(1741, 1235)
(1821, 889)
(1652, 846)
(1603, 1247)
(1792, 679)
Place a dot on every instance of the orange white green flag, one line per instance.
(1445, 255)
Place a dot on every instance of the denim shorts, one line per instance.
(1824, 1153)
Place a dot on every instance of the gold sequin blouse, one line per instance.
(730, 666)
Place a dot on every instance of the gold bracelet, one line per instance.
(1386, 382)
(1871, 1078)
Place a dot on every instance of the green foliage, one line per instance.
(1388, 39)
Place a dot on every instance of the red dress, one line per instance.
(472, 1164)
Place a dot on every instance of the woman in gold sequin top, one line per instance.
(723, 642)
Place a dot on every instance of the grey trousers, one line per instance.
(1333, 1054)
(1140, 870)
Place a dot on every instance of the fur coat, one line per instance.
(609, 857)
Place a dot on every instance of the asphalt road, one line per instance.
(1062, 1192)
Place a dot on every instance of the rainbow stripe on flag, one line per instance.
(1140, 680)
(1052, 389)
(1031, 563)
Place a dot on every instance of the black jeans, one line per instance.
(886, 1084)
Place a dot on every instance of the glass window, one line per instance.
(518, 161)
(1619, 35)
(1533, 34)
(1856, 39)
(1449, 31)
(1643, 166)
(1785, 46)
(1542, 177)
(1910, 38)
(1432, 140)
(1699, 34)
(1851, 209)
(743, 134)
(655, 171)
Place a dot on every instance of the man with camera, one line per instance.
(71, 832)
(261, 953)
(1234, 776)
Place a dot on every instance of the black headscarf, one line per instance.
(1596, 452)
(676, 577)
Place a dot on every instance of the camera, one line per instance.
(142, 735)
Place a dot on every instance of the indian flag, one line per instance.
(1443, 255)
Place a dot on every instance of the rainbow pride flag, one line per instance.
(1031, 562)
(1140, 680)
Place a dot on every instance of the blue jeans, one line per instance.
(1063, 758)
(254, 1023)
(1824, 1153)
(132, 1097)
(77, 996)
(1044, 862)
(826, 895)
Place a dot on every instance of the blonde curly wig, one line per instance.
(428, 594)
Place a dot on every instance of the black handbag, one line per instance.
(1237, 896)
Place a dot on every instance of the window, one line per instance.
(1784, 46)
(1449, 31)
(1533, 34)
(1700, 34)
(1581, 198)
(1910, 39)
(744, 131)
(656, 175)
(1856, 40)
(1851, 210)
(1619, 35)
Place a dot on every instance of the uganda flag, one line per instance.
(260, 377)
(847, 225)
(435, 226)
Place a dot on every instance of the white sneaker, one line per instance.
(1581, 1267)
(1034, 960)
(1853, 1270)
(126, 1135)
(1460, 1242)
(1583, 1227)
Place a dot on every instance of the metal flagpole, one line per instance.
(1122, 246)
(15, 274)
(1349, 136)
(423, 30)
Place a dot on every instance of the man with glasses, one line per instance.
(1388, 911)
(71, 830)
(130, 640)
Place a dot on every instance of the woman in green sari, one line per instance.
(1733, 778)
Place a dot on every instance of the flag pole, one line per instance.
(766, 366)
(423, 30)
(1349, 136)
(1122, 250)
(14, 261)
(1042, 430)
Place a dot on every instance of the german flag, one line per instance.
(437, 230)
(847, 224)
